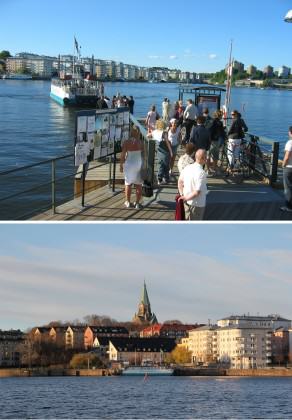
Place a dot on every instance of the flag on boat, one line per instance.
(76, 45)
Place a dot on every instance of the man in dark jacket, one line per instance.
(200, 135)
(101, 103)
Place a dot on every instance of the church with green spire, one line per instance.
(144, 314)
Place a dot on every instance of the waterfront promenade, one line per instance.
(251, 200)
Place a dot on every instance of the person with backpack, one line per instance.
(164, 151)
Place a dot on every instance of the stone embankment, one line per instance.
(281, 371)
(14, 372)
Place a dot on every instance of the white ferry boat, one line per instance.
(17, 76)
(75, 92)
(147, 371)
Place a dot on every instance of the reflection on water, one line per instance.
(121, 397)
(34, 128)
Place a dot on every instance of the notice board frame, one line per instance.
(90, 137)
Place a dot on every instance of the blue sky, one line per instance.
(189, 35)
(193, 272)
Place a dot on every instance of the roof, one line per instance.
(187, 88)
(180, 327)
(243, 327)
(77, 328)
(144, 297)
(272, 317)
(109, 330)
(11, 335)
(132, 344)
(103, 341)
(205, 328)
(60, 329)
(43, 330)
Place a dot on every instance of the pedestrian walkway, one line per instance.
(251, 200)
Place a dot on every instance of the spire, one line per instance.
(144, 313)
(145, 298)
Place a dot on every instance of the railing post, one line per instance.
(110, 172)
(83, 184)
(151, 160)
(54, 186)
(274, 162)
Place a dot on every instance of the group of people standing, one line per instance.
(203, 139)
(117, 101)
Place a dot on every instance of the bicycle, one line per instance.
(234, 159)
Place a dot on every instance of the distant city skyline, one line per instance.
(191, 37)
(65, 58)
(193, 272)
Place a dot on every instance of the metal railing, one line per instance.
(262, 156)
(45, 185)
(35, 188)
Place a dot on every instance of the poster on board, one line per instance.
(100, 133)
(210, 102)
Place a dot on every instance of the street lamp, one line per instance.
(288, 17)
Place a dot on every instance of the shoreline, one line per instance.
(200, 372)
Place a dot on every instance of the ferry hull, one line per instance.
(74, 93)
(141, 371)
(78, 101)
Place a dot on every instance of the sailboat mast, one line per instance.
(228, 83)
(74, 42)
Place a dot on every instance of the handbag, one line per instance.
(179, 209)
(147, 189)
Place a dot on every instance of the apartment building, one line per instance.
(243, 347)
(74, 337)
(9, 348)
(39, 66)
(201, 344)
(284, 72)
(272, 322)
(176, 331)
(138, 350)
(92, 332)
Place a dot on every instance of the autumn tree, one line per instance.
(180, 355)
(85, 360)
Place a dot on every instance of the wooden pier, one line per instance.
(251, 200)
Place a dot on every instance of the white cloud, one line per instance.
(155, 57)
(173, 57)
(212, 56)
(70, 283)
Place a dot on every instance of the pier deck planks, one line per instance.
(226, 201)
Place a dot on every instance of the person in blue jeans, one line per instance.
(164, 151)
(287, 173)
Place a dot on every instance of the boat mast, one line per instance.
(228, 84)
(74, 44)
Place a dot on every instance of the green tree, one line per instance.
(267, 83)
(4, 54)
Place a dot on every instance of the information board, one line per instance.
(208, 101)
(100, 133)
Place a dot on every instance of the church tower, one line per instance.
(144, 314)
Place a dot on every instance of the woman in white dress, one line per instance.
(174, 137)
(131, 165)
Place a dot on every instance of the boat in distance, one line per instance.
(17, 76)
(147, 371)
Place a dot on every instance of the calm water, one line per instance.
(118, 397)
(34, 128)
